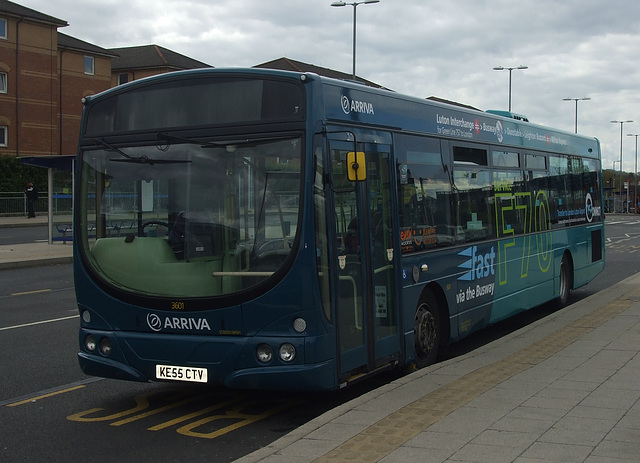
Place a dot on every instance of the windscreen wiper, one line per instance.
(168, 138)
(230, 145)
(204, 144)
(144, 159)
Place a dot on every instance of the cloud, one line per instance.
(573, 48)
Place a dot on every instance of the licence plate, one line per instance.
(174, 373)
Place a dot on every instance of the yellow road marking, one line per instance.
(44, 396)
(181, 419)
(235, 414)
(158, 410)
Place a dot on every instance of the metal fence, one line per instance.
(14, 203)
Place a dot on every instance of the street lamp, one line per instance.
(354, 5)
(576, 100)
(621, 124)
(500, 68)
(635, 173)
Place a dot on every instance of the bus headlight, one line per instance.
(265, 353)
(287, 352)
(90, 343)
(300, 325)
(105, 346)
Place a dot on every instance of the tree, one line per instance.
(14, 175)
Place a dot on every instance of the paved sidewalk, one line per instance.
(563, 389)
(32, 254)
(22, 221)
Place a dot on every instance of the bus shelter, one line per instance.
(60, 185)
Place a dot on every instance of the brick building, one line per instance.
(85, 70)
(134, 63)
(43, 76)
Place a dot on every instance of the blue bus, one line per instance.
(264, 229)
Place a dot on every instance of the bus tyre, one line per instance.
(426, 332)
(566, 281)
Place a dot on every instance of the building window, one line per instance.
(3, 136)
(3, 82)
(3, 28)
(89, 65)
(123, 78)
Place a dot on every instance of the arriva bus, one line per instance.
(276, 230)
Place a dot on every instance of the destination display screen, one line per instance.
(194, 102)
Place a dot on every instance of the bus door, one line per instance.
(366, 299)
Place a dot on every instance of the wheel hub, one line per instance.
(425, 332)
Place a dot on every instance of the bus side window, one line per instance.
(474, 192)
(559, 189)
(513, 210)
(424, 193)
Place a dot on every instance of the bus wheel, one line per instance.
(566, 282)
(426, 332)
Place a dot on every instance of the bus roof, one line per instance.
(352, 102)
(345, 102)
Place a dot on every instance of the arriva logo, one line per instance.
(355, 106)
(177, 323)
(479, 265)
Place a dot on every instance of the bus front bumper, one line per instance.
(317, 377)
(93, 365)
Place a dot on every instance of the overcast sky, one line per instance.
(573, 48)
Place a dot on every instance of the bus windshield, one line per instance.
(189, 218)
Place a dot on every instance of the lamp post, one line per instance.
(576, 100)
(635, 173)
(621, 124)
(500, 68)
(354, 5)
(613, 187)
